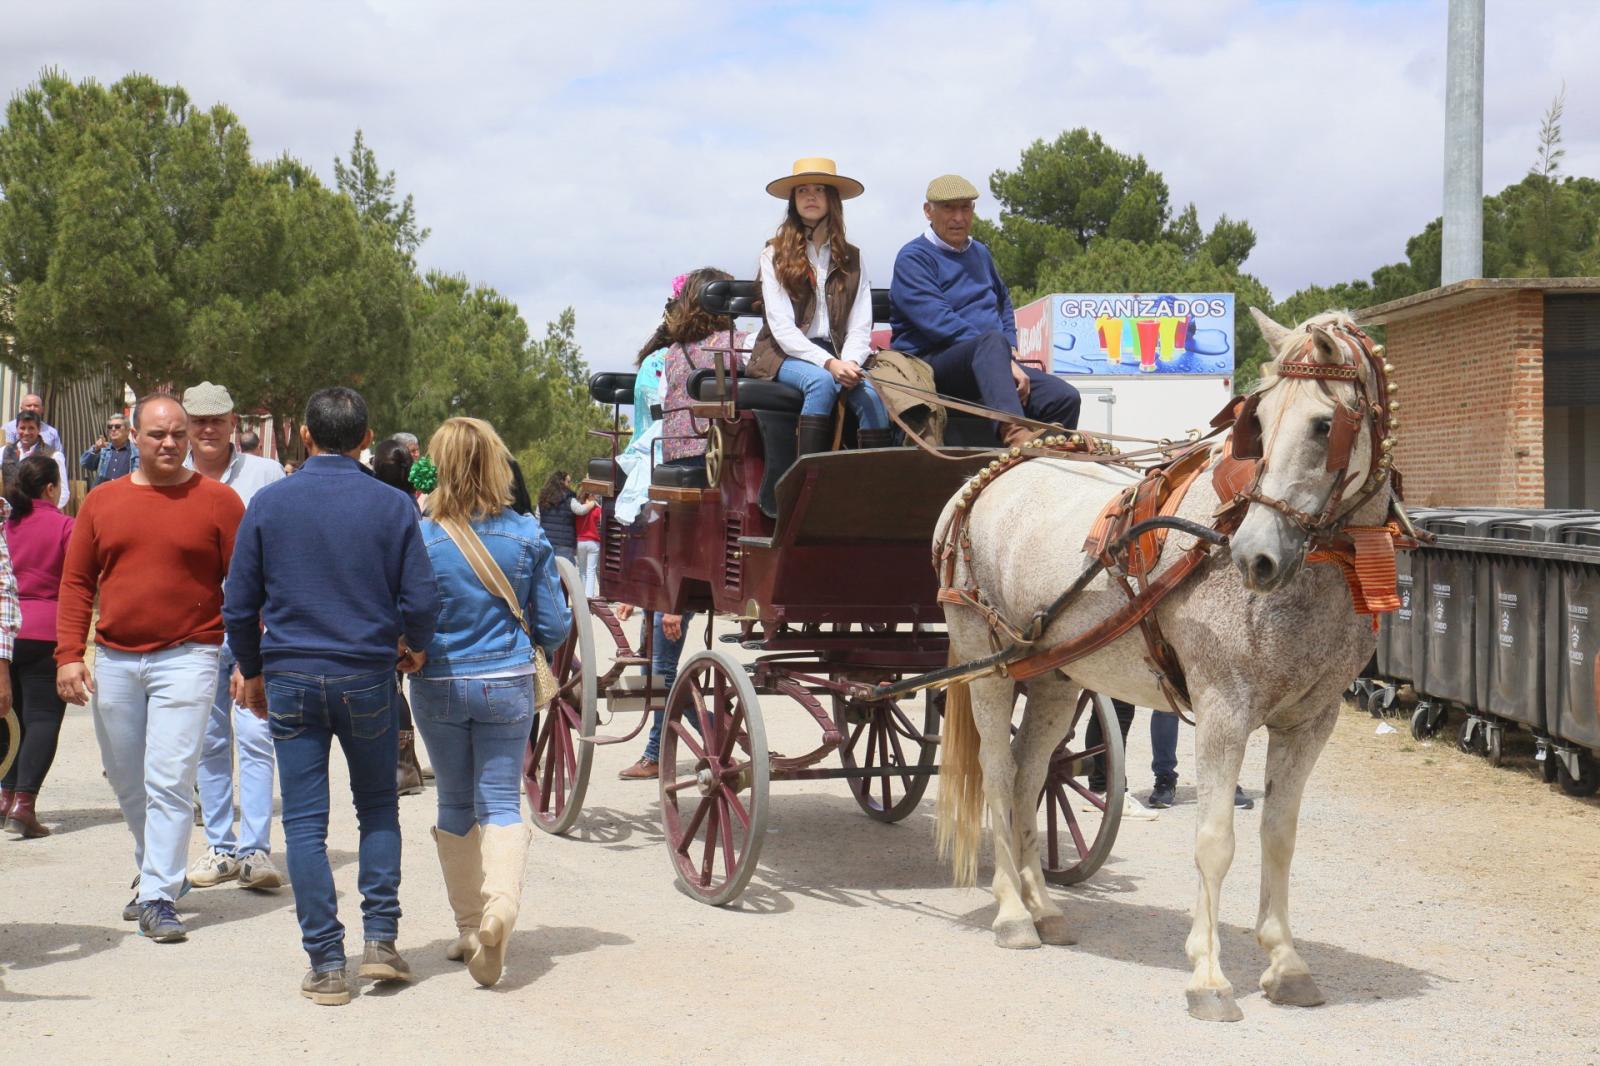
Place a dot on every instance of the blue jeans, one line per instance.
(305, 713)
(1163, 741)
(476, 731)
(664, 656)
(980, 370)
(821, 390)
(226, 724)
(150, 712)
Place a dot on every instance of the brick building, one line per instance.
(1499, 391)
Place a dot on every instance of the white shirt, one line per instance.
(780, 312)
(246, 474)
(61, 465)
(940, 243)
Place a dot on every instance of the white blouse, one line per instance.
(780, 312)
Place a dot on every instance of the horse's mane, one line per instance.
(1292, 342)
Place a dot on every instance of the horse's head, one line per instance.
(1320, 424)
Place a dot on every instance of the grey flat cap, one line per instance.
(948, 188)
(206, 399)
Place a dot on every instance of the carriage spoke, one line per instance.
(883, 756)
(678, 786)
(911, 732)
(697, 703)
(711, 843)
(694, 824)
(1098, 801)
(726, 825)
(688, 739)
(737, 807)
(1072, 822)
(735, 721)
(1052, 833)
(899, 757)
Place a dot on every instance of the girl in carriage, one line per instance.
(818, 309)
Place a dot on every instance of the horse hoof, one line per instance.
(1053, 929)
(1294, 990)
(1018, 935)
(1213, 1005)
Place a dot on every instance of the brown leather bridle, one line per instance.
(1373, 410)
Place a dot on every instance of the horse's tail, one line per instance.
(960, 820)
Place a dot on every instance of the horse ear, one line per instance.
(1327, 349)
(1270, 330)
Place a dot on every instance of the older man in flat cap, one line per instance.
(952, 309)
(244, 854)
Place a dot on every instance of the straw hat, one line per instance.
(816, 171)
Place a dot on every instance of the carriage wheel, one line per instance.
(556, 769)
(13, 732)
(714, 808)
(878, 736)
(1078, 842)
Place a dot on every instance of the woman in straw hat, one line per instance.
(818, 307)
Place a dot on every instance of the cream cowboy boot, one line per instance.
(505, 858)
(461, 860)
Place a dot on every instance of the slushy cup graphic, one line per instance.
(1110, 337)
(1169, 338)
(1149, 331)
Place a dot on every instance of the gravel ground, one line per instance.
(1445, 907)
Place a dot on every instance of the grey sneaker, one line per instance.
(159, 921)
(381, 962)
(1241, 801)
(256, 870)
(133, 908)
(213, 868)
(326, 989)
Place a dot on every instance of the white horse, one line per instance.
(1263, 640)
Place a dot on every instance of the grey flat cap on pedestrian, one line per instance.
(206, 399)
(948, 188)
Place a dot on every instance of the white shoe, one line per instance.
(213, 868)
(257, 871)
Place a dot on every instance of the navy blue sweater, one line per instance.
(941, 298)
(331, 560)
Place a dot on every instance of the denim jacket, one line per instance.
(477, 634)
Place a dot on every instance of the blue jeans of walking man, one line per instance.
(228, 724)
(305, 714)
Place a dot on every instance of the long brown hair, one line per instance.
(789, 260)
(685, 321)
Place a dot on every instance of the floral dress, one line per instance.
(680, 437)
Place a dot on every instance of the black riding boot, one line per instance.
(874, 438)
(815, 434)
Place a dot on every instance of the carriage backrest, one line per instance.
(742, 299)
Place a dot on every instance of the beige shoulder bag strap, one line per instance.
(494, 579)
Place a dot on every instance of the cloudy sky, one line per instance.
(584, 153)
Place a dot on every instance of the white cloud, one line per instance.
(584, 154)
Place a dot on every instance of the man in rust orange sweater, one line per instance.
(154, 546)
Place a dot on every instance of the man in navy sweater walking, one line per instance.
(951, 308)
(331, 563)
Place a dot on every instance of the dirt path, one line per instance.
(1446, 908)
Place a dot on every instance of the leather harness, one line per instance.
(1129, 535)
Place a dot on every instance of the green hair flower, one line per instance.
(424, 475)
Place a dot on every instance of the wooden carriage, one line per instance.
(824, 562)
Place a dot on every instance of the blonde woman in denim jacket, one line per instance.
(473, 700)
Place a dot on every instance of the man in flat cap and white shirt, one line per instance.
(245, 854)
(951, 309)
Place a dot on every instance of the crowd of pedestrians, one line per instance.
(225, 621)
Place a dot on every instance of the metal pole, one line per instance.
(1462, 255)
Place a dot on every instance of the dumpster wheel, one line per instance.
(1423, 722)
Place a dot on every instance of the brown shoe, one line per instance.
(23, 820)
(643, 770)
